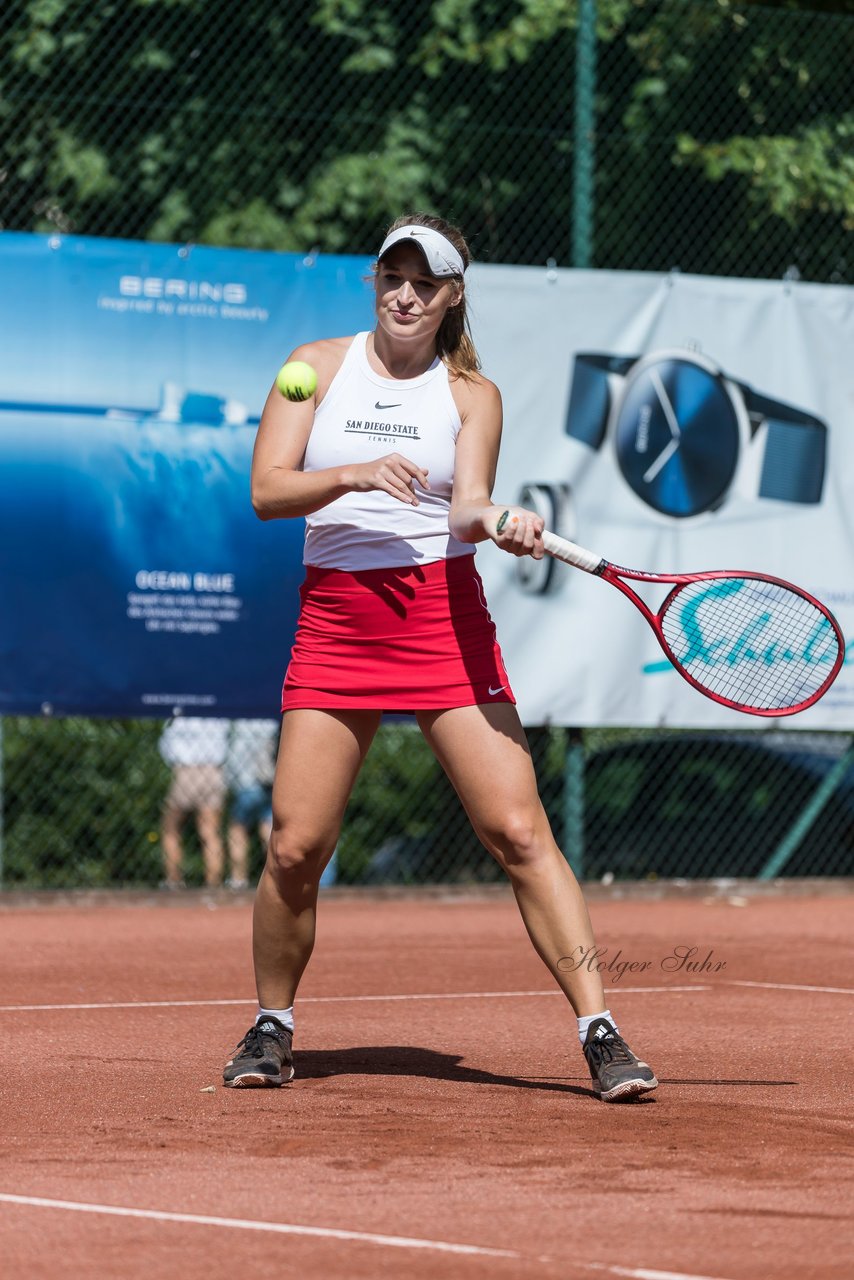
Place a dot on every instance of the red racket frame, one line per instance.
(615, 574)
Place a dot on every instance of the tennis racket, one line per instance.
(746, 640)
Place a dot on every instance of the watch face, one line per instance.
(677, 436)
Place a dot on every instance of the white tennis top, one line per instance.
(364, 416)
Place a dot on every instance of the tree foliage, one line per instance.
(723, 133)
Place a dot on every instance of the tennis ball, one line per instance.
(296, 380)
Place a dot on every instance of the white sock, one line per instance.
(584, 1023)
(285, 1016)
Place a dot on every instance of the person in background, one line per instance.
(195, 749)
(250, 765)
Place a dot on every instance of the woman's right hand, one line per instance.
(517, 530)
(393, 474)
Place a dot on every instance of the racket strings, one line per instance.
(757, 644)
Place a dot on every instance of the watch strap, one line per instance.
(590, 395)
(795, 456)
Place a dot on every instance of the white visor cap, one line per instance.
(440, 255)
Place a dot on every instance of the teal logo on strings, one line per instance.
(750, 643)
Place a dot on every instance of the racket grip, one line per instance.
(563, 549)
(571, 553)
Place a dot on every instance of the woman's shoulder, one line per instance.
(473, 392)
(326, 355)
(323, 351)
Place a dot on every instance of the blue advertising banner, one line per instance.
(669, 422)
(135, 578)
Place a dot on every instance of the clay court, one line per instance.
(440, 1122)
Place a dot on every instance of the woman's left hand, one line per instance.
(521, 533)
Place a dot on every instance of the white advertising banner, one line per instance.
(668, 423)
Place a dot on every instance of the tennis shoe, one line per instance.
(262, 1058)
(615, 1070)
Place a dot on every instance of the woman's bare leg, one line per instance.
(173, 854)
(209, 827)
(485, 754)
(238, 852)
(320, 754)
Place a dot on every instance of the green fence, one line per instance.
(638, 134)
(87, 804)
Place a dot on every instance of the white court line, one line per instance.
(643, 1273)
(446, 995)
(794, 986)
(198, 1004)
(248, 1224)
(332, 1233)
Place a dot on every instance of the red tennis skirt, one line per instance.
(415, 638)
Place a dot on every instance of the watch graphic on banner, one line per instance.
(552, 502)
(686, 435)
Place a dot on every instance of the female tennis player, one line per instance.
(392, 463)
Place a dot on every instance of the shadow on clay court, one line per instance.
(765, 1084)
(427, 1064)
